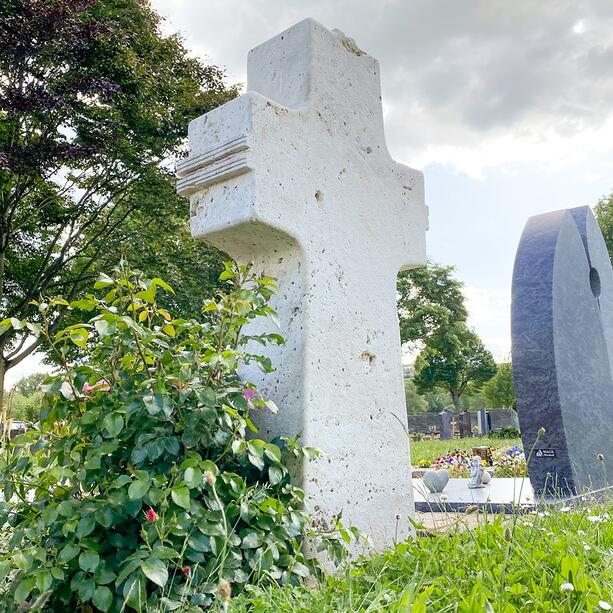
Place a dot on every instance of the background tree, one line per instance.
(29, 385)
(499, 391)
(438, 400)
(429, 300)
(416, 404)
(94, 102)
(433, 315)
(604, 214)
(26, 398)
(453, 359)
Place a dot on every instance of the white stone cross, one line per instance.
(295, 176)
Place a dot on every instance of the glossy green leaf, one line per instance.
(134, 592)
(85, 526)
(275, 474)
(193, 477)
(251, 540)
(155, 570)
(180, 496)
(113, 423)
(79, 337)
(24, 588)
(103, 281)
(138, 489)
(68, 552)
(102, 598)
(44, 580)
(88, 561)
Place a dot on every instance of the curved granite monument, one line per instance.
(562, 330)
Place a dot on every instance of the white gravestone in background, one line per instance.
(295, 176)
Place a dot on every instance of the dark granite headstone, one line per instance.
(483, 421)
(503, 418)
(562, 329)
(446, 432)
(465, 426)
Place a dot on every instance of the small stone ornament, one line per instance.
(476, 473)
(487, 477)
(436, 480)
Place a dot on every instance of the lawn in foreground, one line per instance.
(431, 449)
(558, 561)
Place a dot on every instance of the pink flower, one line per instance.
(99, 386)
(249, 393)
(185, 571)
(151, 515)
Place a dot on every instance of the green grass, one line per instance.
(431, 449)
(517, 565)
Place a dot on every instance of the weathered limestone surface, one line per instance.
(562, 329)
(295, 176)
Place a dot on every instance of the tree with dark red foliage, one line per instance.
(94, 104)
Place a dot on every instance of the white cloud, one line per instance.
(468, 84)
(490, 313)
(32, 364)
(487, 306)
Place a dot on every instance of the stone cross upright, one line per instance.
(295, 176)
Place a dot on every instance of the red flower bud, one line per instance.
(151, 515)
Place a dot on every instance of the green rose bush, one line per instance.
(144, 486)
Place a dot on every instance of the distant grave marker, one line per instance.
(465, 425)
(446, 433)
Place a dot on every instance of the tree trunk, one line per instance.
(455, 398)
(4, 416)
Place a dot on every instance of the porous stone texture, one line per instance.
(295, 176)
(562, 330)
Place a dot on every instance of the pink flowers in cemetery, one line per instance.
(100, 386)
(150, 515)
(507, 462)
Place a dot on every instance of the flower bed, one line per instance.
(510, 462)
(507, 462)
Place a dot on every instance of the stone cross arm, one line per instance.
(303, 152)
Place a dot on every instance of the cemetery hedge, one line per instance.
(139, 489)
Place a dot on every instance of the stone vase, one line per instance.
(436, 480)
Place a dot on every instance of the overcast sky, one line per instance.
(507, 106)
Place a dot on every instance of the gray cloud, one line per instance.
(493, 65)
(454, 71)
